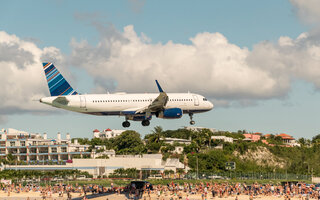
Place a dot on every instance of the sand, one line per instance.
(75, 196)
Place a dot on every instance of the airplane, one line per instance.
(136, 107)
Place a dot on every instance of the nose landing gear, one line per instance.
(191, 121)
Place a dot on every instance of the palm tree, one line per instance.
(180, 171)
(154, 141)
(158, 132)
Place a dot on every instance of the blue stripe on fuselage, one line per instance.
(127, 112)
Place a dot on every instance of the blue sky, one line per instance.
(243, 23)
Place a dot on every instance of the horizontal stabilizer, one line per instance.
(61, 100)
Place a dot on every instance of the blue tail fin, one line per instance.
(58, 86)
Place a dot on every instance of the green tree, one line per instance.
(129, 142)
(154, 141)
(316, 139)
(180, 172)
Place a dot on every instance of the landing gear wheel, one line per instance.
(191, 121)
(126, 124)
(145, 123)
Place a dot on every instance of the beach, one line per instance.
(153, 196)
(171, 191)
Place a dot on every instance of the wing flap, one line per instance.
(156, 105)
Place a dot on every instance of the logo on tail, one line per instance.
(58, 86)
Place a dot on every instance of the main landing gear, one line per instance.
(145, 122)
(126, 124)
(191, 121)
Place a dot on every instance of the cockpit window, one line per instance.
(204, 99)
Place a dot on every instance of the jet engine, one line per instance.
(170, 113)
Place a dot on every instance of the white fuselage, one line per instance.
(126, 104)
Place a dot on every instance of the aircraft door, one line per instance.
(196, 100)
(82, 101)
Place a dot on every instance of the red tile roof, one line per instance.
(96, 130)
(285, 136)
(267, 135)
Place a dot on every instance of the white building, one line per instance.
(176, 140)
(99, 167)
(36, 148)
(109, 153)
(178, 149)
(107, 133)
(197, 129)
(223, 138)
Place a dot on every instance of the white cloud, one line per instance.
(137, 5)
(22, 78)
(289, 59)
(126, 61)
(210, 65)
(307, 10)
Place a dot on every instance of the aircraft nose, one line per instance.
(210, 105)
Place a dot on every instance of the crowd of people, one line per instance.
(62, 190)
(173, 191)
(286, 191)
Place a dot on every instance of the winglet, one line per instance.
(159, 87)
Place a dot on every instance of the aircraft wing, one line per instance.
(156, 105)
(131, 111)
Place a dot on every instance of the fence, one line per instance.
(145, 174)
(249, 176)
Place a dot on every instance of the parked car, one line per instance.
(82, 178)
(140, 185)
(157, 177)
(215, 177)
(57, 179)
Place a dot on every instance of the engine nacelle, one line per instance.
(170, 113)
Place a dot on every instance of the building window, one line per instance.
(54, 149)
(23, 143)
(12, 144)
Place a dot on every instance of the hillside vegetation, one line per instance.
(248, 156)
